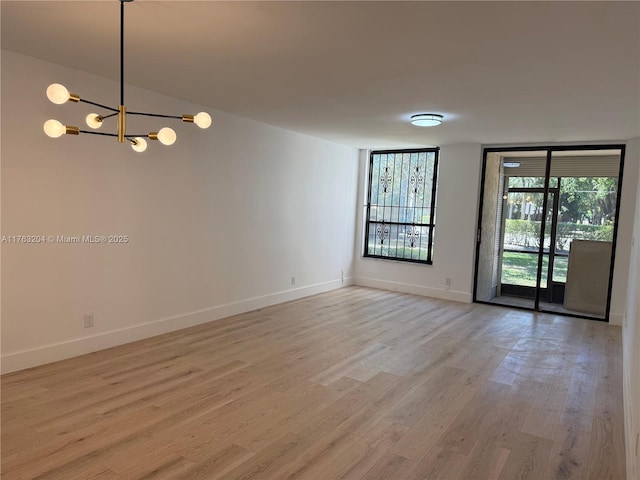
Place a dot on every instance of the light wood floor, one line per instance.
(353, 384)
(546, 307)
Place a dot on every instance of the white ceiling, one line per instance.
(354, 72)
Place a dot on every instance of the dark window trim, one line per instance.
(430, 225)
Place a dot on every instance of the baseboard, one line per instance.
(20, 360)
(454, 295)
(629, 421)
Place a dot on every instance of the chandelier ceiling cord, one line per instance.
(59, 94)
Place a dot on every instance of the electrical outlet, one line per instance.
(447, 282)
(293, 280)
(88, 320)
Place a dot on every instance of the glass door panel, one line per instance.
(509, 228)
(584, 230)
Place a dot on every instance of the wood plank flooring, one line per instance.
(353, 384)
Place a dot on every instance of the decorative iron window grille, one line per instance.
(400, 217)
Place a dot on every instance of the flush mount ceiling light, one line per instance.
(59, 94)
(511, 164)
(426, 119)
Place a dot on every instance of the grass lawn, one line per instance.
(521, 268)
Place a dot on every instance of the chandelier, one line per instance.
(59, 94)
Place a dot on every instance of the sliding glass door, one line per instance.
(521, 243)
(546, 230)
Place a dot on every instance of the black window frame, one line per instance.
(369, 223)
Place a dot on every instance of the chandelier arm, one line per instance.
(179, 117)
(99, 133)
(99, 105)
(143, 135)
(108, 116)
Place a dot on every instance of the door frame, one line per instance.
(549, 149)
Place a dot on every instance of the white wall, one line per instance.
(627, 219)
(454, 242)
(218, 223)
(631, 336)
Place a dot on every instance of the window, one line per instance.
(401, 205)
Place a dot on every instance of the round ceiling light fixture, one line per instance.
(511, 164)
(426, 119)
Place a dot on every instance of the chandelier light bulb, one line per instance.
(139, 144)
(57, 93)
(167, 136)
(54, 128)
(202, 119)
(94, 120)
